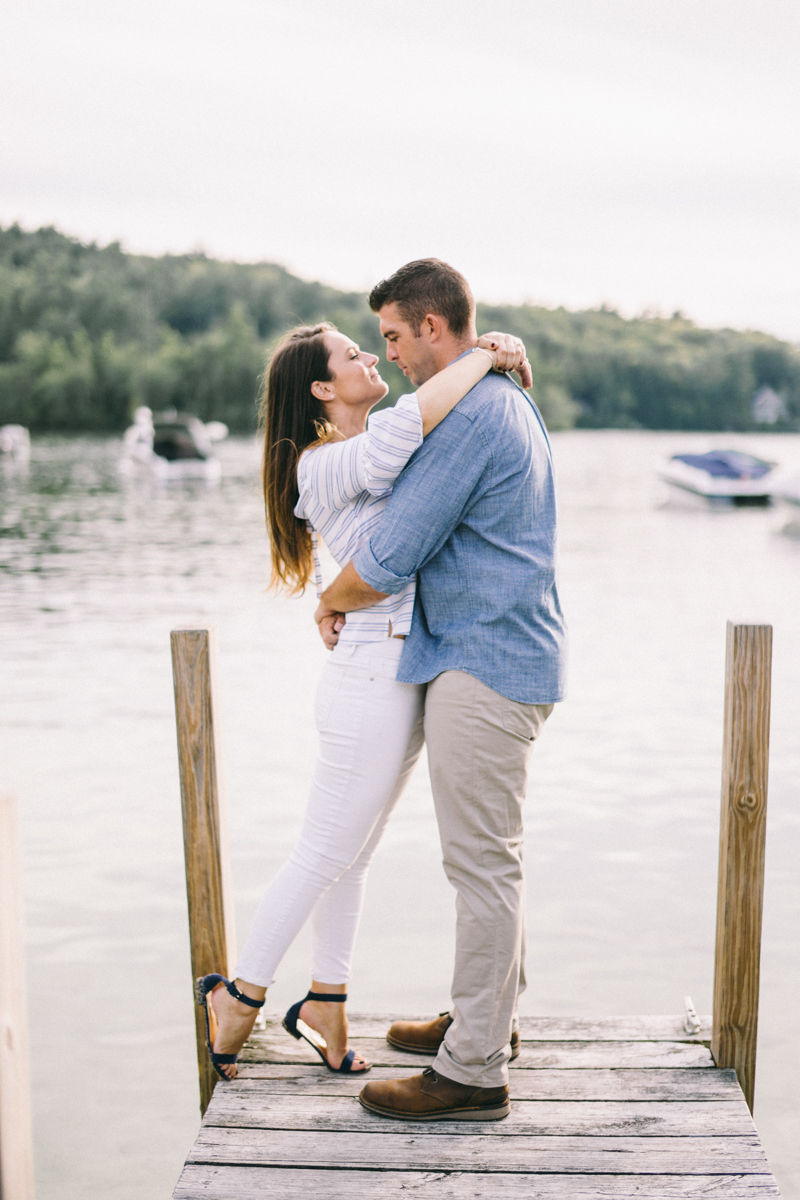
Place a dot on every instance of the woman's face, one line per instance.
(355, 378)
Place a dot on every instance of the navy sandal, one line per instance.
(290, 1025)
(203, 987)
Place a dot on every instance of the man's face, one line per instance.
(412, 351)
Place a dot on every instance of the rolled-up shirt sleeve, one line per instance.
(427, 503)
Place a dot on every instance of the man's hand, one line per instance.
(347, 593)
(510, 353)
(330, 625)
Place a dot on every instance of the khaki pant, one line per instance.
(479, 744)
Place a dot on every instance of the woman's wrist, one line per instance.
(489, 354)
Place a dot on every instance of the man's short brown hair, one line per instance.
(427, 286)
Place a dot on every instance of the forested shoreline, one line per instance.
(88, 333)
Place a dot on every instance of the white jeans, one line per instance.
(370, 737)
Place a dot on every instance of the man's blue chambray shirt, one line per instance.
(473, 515)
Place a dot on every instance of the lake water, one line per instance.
(622, 821)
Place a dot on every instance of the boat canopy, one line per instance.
(178, 436)
(727, 464)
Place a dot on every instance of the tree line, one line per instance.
(88, 333)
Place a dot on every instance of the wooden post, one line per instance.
(741, 851)
(205, 833)
(16, 1140)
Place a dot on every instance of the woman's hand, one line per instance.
(330, 625)
(510, 353)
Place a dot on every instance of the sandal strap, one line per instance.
(237, 995)
(346, 1065)
(330, 997)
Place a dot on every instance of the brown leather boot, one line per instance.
(431, 1097)
(425, 1037)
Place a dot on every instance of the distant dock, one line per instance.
(616, 1107)
(613, 1107)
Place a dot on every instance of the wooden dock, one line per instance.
(615, 1107)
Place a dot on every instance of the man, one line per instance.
(473, 516)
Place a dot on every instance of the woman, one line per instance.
(327, 473)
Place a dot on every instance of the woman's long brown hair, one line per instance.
(294, 419)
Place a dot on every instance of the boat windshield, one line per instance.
(727, 464)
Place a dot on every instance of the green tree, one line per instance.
(87, 333)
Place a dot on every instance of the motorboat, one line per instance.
(721, 477)
(172, 445)
(15, 442)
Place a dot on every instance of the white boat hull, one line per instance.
(139, 454)
(207, 469)
(715, 489)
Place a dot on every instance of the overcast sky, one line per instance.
(642, 153)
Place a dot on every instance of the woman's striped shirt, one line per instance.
(343, 489)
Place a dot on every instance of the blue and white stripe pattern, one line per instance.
(344, 487)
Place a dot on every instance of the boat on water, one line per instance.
(15, 442)
(721, 477)
(172, 445)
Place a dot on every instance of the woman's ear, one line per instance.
(323, 391)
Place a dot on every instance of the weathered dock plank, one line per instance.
(277, 1047)
(393, 1148)
(264, 1183)
(580, 1055)
(560, 1029)
(241, 1108)
(611, 1029)
(600, 1084)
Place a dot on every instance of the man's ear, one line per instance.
(433, 327)
(322, 391)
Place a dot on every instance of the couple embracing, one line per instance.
(445, 628)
